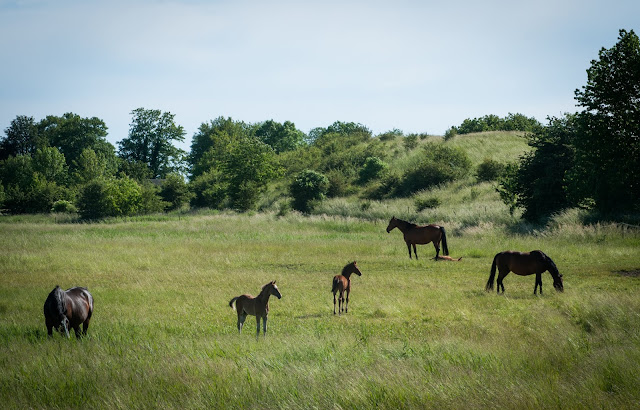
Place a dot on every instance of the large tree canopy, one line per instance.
(150, 141)
(608, 147)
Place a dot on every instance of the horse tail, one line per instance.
(231, 302)
(334, 287)
(445, 248)
(492, 275)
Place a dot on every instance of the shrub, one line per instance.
(427, 203)
(489, 170)
(63, 206)
(373, 168)
(209, 189)
(309, 186)
(439, 164)
(116, 197)
(175, 191)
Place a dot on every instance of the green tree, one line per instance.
(51, 164)
(212, 141)
(539, 184)
(281, 137)
(89, 166)
(307, 188)
(21, 138)
(608, 148)
(175, 192)
(71, 134)
(150, 141)
(114, 197)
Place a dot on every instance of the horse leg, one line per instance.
(414, 250)
(76, 329)
(341, 302)
(346, 309)
(501, 276)
(85, 327)
(437, 246)
(334, 303)
(538, 283)
(241, 319)
(264, 325)
(258, 327)
(409, 247)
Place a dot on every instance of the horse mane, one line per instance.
(407, 224)
(264, 289)
(347, 269)
(553, 269)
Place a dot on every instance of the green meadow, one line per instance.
(419, 333)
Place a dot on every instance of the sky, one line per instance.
(417, 66)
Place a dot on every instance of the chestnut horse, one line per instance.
(258, 306)
(420, 235)
(342, 284)
(66, 309)
(524, 263)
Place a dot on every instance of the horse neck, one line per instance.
(403, 225)
(264, 296)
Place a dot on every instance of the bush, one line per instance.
(209, 190)
(309, 186)
(427, 203)
(175, 192)
(63, 206)
(373, 168)
(116, 197)
(489, 170)
(440, 164)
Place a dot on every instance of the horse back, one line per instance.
(423, 234)
(522, 263)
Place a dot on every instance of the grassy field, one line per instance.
(418, 334)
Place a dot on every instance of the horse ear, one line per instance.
(274, 282)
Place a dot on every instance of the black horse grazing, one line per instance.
(524, 263)
(66, 309)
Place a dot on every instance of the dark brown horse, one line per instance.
(524, 263)
(420, 235)
(342, 284)
(66, 309)
(258, 306)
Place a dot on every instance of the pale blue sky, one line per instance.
(420, 66)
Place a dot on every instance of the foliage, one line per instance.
(248, 167)
(175, 192)
(209, 189)
(212, 140)
(390, 135)
(21, 138)
(72, 134)
(114, 197)
(540, 180)
(607, 159)
(489, 170)
(373, 168)
(512, 122)
(62, 206)
(150, 141)
(281, 137)
(307, 187)
(410, 142)
(427, 203)
(438, 164)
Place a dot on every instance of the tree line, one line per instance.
(589, 159)
(65, 164)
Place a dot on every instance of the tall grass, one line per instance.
(418, 334)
